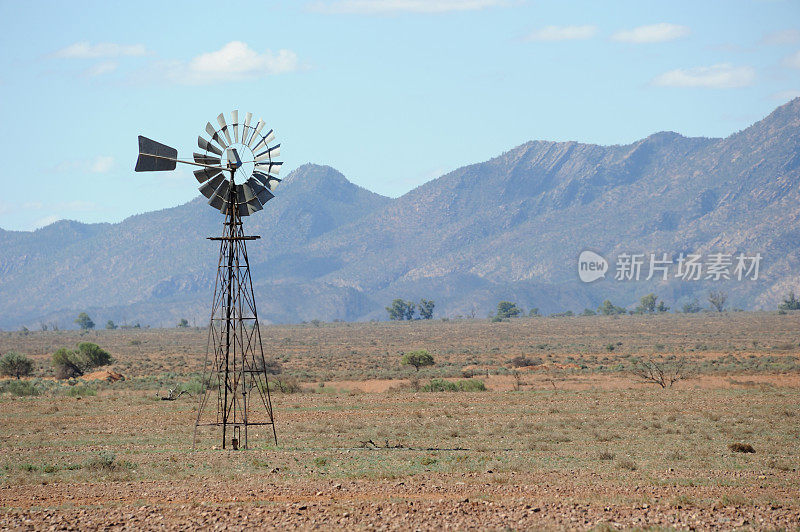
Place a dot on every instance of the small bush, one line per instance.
(106, 461)
(80, 390)
(741, 448)
(630, 465)
(287, 385)
(606, 455)
(19, 388)
(15, 365)
(522, 361)
(466, 385)
(320, 462)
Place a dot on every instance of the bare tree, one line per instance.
(661, 372)
(172, 394)
(717, 299)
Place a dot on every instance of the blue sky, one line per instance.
(392, 93)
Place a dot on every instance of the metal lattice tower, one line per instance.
(237, 376)
(236, 380)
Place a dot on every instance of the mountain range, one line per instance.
(510, 228)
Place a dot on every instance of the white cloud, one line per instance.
(85, 50)
(789, 36)
(721, 76)
(562, 33)
(236, 60)
(372, 7)
(102, 164)
(99, 165)
(661, 32)
(793, 60)
(101, 68)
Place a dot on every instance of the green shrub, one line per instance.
(417, 359)
(80, 390)
(466, 385)
(74, 363)
(19, 388)
(15, 365)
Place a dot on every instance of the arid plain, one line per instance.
(568, 438)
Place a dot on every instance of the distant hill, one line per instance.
(508, 228)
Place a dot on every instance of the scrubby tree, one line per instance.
(534, 312)
(15, 365)
(183, 323)
(417, 359)
(426, 309)
(70, 363)
(110, 325)
(693, 307)
(588, 312)
(790, 302)
(662, 372)
(717, 300)
(401, 310)
(84, 321)
(607, 308)
(649, 304)
(507, 309)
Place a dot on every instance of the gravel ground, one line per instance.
(476, 501)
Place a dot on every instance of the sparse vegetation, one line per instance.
(607, 308)
(717, 299)
(84, 321)
(692, 307)
(15, 365)
(790, 302)
(506, 310)
(74, 363)
(418, 359)
(402, 310)
(426, 309)
(662, 372)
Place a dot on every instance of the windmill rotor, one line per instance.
(235, 155)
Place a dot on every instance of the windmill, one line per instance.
(237, 173)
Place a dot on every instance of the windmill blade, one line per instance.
(203, 144)
(206, 159)
(264, 196)
(224, 127)
(208, 188)
(205, 174)
(150, 156)
(246, 128)
(255, 184)
(217, 202)
(258, 129)
(270, 154)
(254, 206)
(271, 182)
(220, 194)
(235, 125)
(215, 136)
(247, 193)
(273, 167)
(243, 209)
(265, 140)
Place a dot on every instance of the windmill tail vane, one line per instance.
(238, 173)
